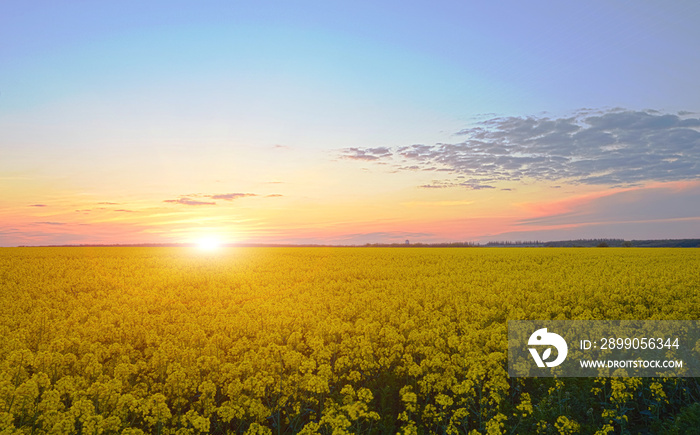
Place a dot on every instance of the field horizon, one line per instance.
(595, 242)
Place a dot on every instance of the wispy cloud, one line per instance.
(473, 184)
(612, 147)
(230, 196)
(366, 153)
(189, 201)
(38, 205)
(203, 199)
(667, 201)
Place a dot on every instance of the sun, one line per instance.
(209, 244)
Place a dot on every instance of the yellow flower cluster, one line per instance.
(320, 340)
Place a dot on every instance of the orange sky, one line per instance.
(304, 209)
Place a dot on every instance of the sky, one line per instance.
(348, 122)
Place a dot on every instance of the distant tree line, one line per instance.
(578, 243)
(603, 243)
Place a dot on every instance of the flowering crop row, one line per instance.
(322, 340)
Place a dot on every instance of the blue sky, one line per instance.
(138, 103)
(456, 58)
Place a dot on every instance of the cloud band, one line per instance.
(605, 147)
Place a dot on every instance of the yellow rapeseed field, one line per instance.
(324, 340)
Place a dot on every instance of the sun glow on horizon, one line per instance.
(209, 244)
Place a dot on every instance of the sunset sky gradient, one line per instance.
(348, 123)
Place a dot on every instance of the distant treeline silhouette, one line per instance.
(578, 243)
(587, 243)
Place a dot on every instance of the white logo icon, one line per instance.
(542, 337)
